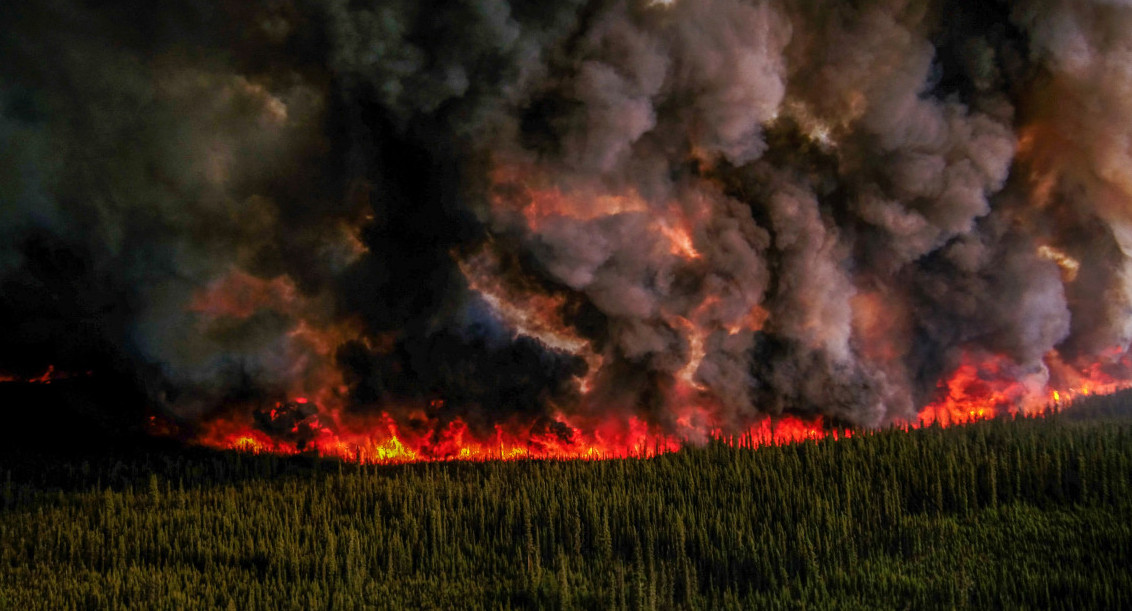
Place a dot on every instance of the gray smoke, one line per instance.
(515, 209)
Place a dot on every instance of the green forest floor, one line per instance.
(1002, 514)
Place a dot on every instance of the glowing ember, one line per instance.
(47, 377)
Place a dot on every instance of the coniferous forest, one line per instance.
(1011, 513)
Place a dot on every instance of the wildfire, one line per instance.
(312, 421)
(982, 389)
(387, 443)
(977, 389)
(47, 377)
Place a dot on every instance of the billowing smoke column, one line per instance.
(444, 220)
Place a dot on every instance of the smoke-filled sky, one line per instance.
(695, 212)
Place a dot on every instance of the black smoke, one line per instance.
(223, 205)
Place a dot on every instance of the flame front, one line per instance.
(386, 443)
(568, 229)
(313, 412)
(975, 391)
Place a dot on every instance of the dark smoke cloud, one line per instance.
(524, 208)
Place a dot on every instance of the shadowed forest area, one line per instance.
(1024, 513)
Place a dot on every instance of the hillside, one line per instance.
(1023, 513)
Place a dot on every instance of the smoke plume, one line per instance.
(694, 213)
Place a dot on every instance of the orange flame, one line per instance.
(978, 389)
(980, 386)
(387, 443)
(982, 389)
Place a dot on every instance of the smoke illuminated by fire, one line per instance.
(973, 392)
(981, 386)
(394, 230)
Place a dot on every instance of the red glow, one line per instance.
(382, 441)
(977, 389)
(314, 418)
(240, 295)
(47, 377)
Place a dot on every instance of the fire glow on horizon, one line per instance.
(974, 392)
(967, 401)
(316, 421)
(969, 395)
(421, 230)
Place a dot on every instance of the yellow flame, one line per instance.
(1069, 266)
